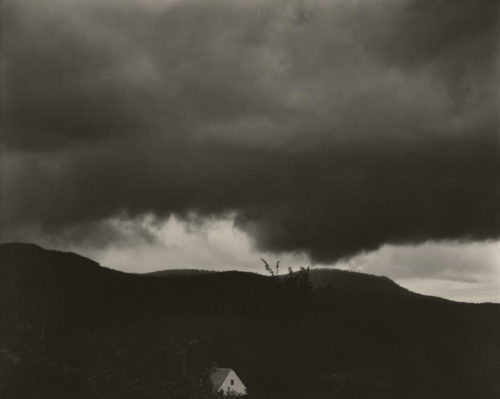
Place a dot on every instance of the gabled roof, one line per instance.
(218, 376)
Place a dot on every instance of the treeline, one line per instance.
(70, 329)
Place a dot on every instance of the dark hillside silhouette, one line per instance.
(354, 282)
(178, 272)
(75, 329)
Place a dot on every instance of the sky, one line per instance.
(164, 134)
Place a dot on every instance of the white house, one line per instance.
(227, 382)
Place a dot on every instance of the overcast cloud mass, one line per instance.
(328, 128)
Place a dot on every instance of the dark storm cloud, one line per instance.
(328, 127)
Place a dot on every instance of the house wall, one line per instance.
(238, 387)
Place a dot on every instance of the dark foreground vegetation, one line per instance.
(70, 328)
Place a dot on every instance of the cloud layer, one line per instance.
(327, 127)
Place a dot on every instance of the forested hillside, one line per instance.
(71, 328)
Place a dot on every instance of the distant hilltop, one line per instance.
(75, 329)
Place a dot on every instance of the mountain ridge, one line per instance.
(129, 333)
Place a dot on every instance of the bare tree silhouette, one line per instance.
(269, 269)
